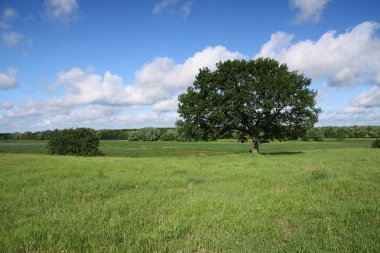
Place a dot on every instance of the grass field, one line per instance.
(192, 197)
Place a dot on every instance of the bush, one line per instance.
(376, 143)
(80, 142)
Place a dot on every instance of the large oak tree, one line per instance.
(257, 99)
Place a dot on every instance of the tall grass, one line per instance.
(193, 197)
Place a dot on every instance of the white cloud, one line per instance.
(99, 101)
(63, 10)
(350, 116)
(7, 105)
(11, 38)
(9, 13)
(163, 5)
(8, 79)
(369, 98)
(173, 7)
(157, 80)
(309, 10)
(346, 59)
(167, 105)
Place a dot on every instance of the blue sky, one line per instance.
(122, 63)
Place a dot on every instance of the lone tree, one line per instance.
(79, 142)
(260, 99)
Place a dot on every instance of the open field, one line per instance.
(192, 197)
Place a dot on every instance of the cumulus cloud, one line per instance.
(156, 80)
(166, 105)
(98, 101)
(309, 10)
(62, 10)
(8, 78)
(345, 59)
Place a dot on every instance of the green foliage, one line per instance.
(306, 137)
(259, 98)
(144, 134)
(376, 143)
(318, 135)
(80, 142)
(150, 134)
(113, 134)
(170, 135)
(123, 134)
(341, 134)
(134, 135)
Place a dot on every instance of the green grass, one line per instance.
(193, 197)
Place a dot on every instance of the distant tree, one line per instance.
(341, 134)
(329, 132)
(134, 135)
(170, 135)
(150, 134)
(260, 99)
(318, 135)
(79, 142)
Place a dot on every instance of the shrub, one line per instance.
(80, 142)
(376, 143)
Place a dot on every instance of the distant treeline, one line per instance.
(340, 133)
(170, 134)
(143, 134)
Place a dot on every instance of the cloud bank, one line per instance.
(103, 100)
(97, 101)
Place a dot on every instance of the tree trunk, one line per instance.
(255, 146)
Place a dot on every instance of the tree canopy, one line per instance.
(80, 142)
(257, 99)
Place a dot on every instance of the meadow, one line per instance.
(192, 197)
